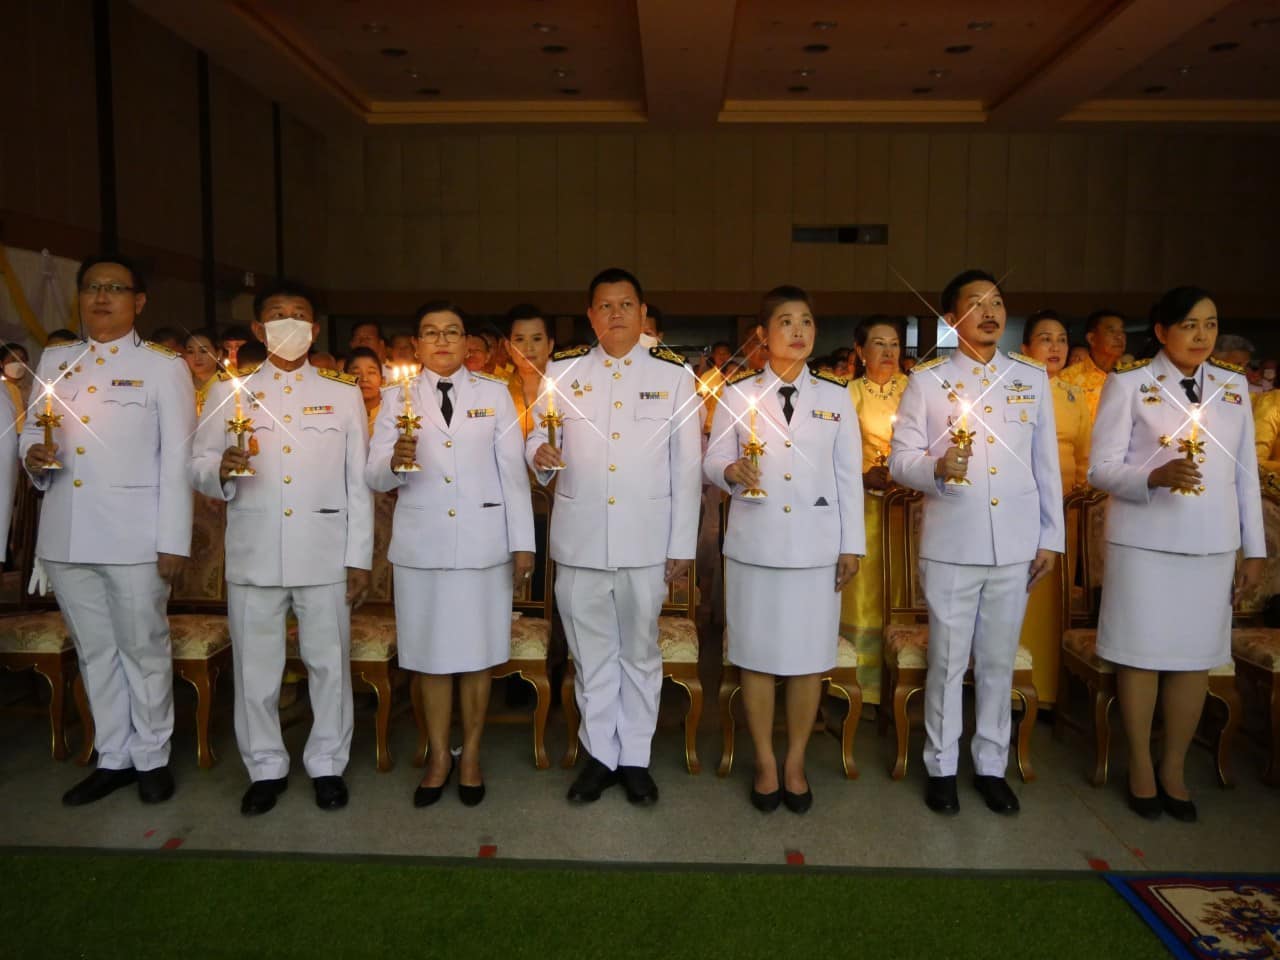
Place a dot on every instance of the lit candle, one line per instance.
(1195, 420)
(964, 414)
(551, 396)
(235, 385)
(48, 400)
(751, 405)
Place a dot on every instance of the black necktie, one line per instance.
(446, 405)
(787, 408)
(1193, 393)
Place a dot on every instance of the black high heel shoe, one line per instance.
(766, 802)
(470, 795)
(426, 796)
(1183, 810)
(1149, 808)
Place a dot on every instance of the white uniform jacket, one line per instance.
(630, 493)
(811, 470)
(1142, 415)
(1013, 504)
(469, 507)
(307, 514)
(128, 409)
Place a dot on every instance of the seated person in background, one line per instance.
(651, 328)
(840, 365)
(1104, 331)
(61, 335)
(169, 337)
(233, 338)
(401, 350)
(363, 364)
(1267, 374)
(204, 362)
(325, 361)
(1077, 354)
(252, 354)
(529, 344)
(478, 356)
(1235, 349)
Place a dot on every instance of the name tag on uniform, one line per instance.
(653, 395)
(1029, 398)
(1231, 397)
(322, 408)
(126, 383)
(479, 412)
(827, 415)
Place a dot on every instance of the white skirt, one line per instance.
(453, 621)
(1165, 611)
(783, 621)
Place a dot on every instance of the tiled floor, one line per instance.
(1065, 824)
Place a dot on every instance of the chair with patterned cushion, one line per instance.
(906, 638)
(678, 640)
(373, 633)
(1079, 660)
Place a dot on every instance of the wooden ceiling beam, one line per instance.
(685, 45)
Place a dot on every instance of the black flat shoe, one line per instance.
(940, 795)
(261, 796)
(470, 796)
(426, 796)
(797, 802)
(997, 793)
(1183, 810)
(1149, 808)
(97, 785)
(331, 792)
(594, 780)
(155, 786)
(766, 802)
(641, 790)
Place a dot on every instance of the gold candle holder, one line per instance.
(408, 421)
(552, 420)
(48, 420)
(239, 425)
(962, 437)
(753, 450)
(1192, 447)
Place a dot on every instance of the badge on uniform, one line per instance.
(479, 412)
(826, 415)
(1029, 398)
(1018, 386)
(1231, 397)
(1149, 387)
(318, 408)
(653, 395)
(126, 383)
(1152, 398)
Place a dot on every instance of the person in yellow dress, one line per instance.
(529, 343)
(1104, 332)
(876, 393)
(1044, 338)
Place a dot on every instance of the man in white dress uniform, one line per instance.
(299, 534)
(624, 525)
(987, 541)
(115, 525)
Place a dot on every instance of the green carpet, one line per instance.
(189, 905)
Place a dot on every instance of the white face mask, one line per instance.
(288, 338)
(647, 341)
(14, 370)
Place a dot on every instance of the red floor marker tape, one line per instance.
(173, 843)
(488, 850)
(795, 858)
(148, 834)
(1097, 863)
(1137, 853)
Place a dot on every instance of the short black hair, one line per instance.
(439, 306)
(253, 352)
(358, 352)
(722, 343)
(951, 292)
(161, 334)
(779, 295)
(207, 333)
(613, 275)
(1173, 307)
(61, 335)
(138, 280)
(1035, 319)
(862, 332)
(521, 312)
(1094, 320)
(368, 323)
(11, 348)
(284, 287)
(655, 314)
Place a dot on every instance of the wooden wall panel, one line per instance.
(909, 210)
(305, 221)
(577, 198)
(243, 174)
(808, 205)
(870, 263)
(460, 212)
(537, 224)
(694, 210)
(419, 170)
(947, 221)
(771, 200)
(383, 175)
(734, 223)
(840, 205)
(615, 214)
(499, 179)
(655, 211)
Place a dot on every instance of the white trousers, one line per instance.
(256, 617)
(973, 610)
(115, 613)
(610, 621)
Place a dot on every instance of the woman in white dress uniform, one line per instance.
(1174, 525)
(462, 536)
(788, 555)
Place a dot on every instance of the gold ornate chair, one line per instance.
(906, 638)
(1085, 512)
(678, 640)
(530, 640)
(373, 633)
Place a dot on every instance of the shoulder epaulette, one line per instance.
(830, 377)
(347, 378)
(225, 375)
(571, 353)
(1223, 365)
(928, 364)
(490, 377)
(65, 343)
(742, 375)
(160, 348)
(1030, 361)
(667, 354)
(1133, 365)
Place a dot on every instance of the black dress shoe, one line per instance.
(1183, 810)
(1149, 808)
(797, 802)
(426, 796)
(261, 796)
(470, 795)
(766, 802)
(155, 786)
(331, 792)
(940, 795)
(641, 789)
(594, 780)
(97, 785)
(998, 794)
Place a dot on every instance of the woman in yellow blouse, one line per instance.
(1044, 338)
(529, 343)
(203, 360)
(876, 395)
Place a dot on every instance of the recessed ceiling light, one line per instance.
(1183, 71)
(394, 52)
(816, 48)
(545, 27)
(1156, 88)
(958, 48)
(922, 89)
(937, 74)
(373, 26)
(980, 24)
(570, 91)
(555, 48)
(429, 91)
(798, 88)
(824, 24)
(1224, 47)
(562, 73)
(805, 72)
